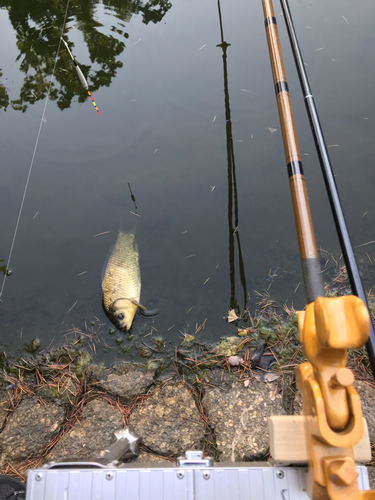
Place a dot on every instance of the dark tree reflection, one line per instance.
(233, 218)
(4, 98)
(38, 27)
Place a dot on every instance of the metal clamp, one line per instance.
(195, 459)
(124, 446)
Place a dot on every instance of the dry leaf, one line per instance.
(232, 316)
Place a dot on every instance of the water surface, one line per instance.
(185, 120)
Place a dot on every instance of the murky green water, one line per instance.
(186, 124)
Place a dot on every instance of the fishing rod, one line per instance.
(306, 238)
(329, 179)
(81, 76)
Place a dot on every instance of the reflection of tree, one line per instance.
(38, 29)
(154, 10)
(4, 98)
(232, 188)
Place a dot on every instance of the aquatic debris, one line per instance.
(235, 360)
(159, 342)
(228, 347)
(188, 339)
(232, 316)
(72, 306)
(270, 276)
(364, 244)
(153, 365)
(32, 346)
(100, 234)
(272, 130)
(121, 282)
(4, 269)
(81, 364)
(144, 352)
(242, 332)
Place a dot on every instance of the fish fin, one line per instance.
(139, 305)
(135, 246)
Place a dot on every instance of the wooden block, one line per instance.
(288, 440)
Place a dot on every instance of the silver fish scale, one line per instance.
(122, 276)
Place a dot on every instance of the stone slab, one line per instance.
(91, 434)
(367, 395)
(133, 380)
(239, 419)
(169, 422)
(29, 429)
(145, 457)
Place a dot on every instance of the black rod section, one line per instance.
(329, 179)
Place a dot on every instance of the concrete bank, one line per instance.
(224, 416)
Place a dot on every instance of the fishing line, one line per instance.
(42, 120)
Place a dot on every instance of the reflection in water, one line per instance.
(232, 189)
(4, 98)
(38, 29)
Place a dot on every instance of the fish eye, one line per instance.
(120, 316)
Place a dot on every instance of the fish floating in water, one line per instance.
(121, 282)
